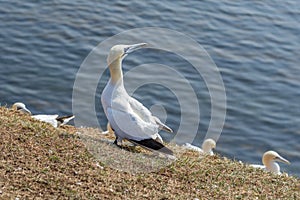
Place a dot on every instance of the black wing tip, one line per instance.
(65, 117)
(153, 145)
(168, 129)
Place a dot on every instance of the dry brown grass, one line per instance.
(38, 161)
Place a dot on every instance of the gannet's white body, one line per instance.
(54, 120)
(128, 118)
(269, 162)
(207, 147)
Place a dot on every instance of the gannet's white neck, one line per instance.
(116, 74)
(272, 166)
(114, 60)
(206, 149)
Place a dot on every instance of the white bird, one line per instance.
(269, 162)
(54, 120)
(207, 147)
(128, 118)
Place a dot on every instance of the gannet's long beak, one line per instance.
(131, 48)
(24, 110)
(281, 159)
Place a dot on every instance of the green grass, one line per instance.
(41, 162)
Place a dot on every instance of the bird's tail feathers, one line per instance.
(153, 145)
(162, 126)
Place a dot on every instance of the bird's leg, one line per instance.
(116, 142)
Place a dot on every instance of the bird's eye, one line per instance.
(125, 50)
(19, 108)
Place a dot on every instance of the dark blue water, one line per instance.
(254, 44)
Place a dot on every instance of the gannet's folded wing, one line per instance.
(130, 126)
(139, 109)
(143, 112)
(51, 119)
(161, 125)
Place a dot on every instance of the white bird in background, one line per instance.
(269, 162)
(128, 118)
(54, 120)
(207, 147)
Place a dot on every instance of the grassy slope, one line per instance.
(39, 161)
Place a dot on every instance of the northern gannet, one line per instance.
(54, 120)
(128, 118)
(207, 147)
(269, 162)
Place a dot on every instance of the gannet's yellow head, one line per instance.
(20, 107)
(270, 156)
(118, 52)
(208, 144)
